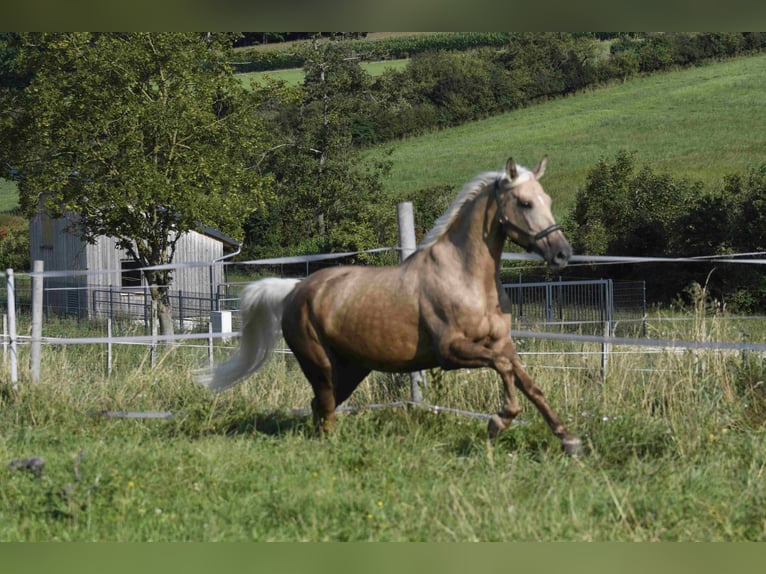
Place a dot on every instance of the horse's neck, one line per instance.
(476, 236)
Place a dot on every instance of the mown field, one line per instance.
(699, 123)
(295, 76)
(677, 440)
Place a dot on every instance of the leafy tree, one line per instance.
(327, 198)
(141, 136)
(623, 210)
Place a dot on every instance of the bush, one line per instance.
(457, 77)
(627, 211)
(14, 243)
(460, 85)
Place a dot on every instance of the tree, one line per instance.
(327, 196)
(141, 136)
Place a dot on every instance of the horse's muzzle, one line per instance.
(556, 251)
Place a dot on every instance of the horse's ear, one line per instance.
(511, 170)
(539, 170)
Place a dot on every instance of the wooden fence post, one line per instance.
(11, 284)
(35, 352)
(407, 245)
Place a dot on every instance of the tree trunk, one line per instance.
(159, 287)
(164, 315)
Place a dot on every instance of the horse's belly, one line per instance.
(383, 342)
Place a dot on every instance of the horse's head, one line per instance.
(524, 210)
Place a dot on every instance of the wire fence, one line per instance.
(603, 313)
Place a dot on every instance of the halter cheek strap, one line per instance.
(508, 224)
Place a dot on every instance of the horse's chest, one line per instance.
(480, 319)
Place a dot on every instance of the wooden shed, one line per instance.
(120, 290)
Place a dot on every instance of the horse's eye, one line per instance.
(525, 204)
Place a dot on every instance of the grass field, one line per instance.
(698, 123)
(9, 196)
(677, 453)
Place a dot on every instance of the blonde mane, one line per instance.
(469, 192)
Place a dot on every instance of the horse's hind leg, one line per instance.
(346, 377)
(332, 380)
(328, 396)
(317, 368)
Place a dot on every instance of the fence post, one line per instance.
(210, 360)
(109, 346)
(407, 244)
(154, 333)
(180, 311)
(605, 349)
(11, 285)
(643, 301)
(608, 316)
(35, 352)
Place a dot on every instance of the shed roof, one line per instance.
(220, 236)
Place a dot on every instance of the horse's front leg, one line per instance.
(463, 352)
(569, 442)
(466, 353)
(500, 421)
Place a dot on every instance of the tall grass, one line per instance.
(676, 439)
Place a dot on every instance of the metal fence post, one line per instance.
(548, 303)
(181, 311)
(11, 286)
(109, 346)
(643, 301)
(406, 220)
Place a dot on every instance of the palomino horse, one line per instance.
(441, 307)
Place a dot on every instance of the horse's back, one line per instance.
(367, 315)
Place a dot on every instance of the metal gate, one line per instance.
(578, 305)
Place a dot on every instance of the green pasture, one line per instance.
(699, 123)
(9, 196)
(295, 76)
(677, 451)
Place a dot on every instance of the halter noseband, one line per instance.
(507, 223)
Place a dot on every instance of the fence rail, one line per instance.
(583, 305)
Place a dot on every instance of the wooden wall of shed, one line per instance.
(63, 251)
(50, 242)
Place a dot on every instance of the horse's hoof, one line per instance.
(573, 446)
(495, 426)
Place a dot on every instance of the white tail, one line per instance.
(261, 306)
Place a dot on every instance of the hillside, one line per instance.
(698, 123)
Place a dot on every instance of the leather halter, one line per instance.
(508, 224)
